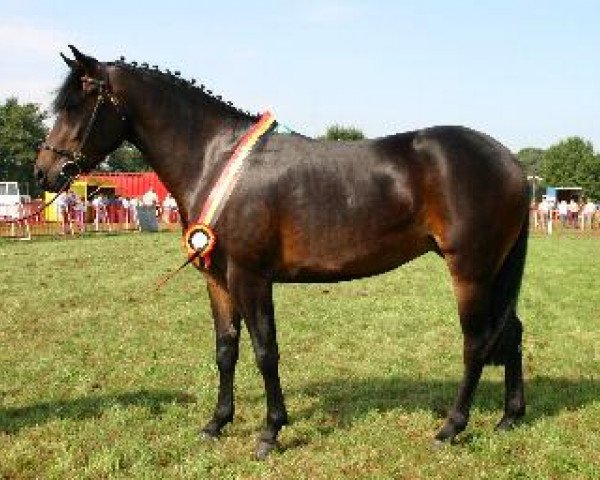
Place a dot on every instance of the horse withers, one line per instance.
(312, 211)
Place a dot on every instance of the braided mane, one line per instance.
(70, 94)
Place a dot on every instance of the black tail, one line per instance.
(505, 294)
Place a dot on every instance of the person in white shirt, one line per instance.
(80, 211)
(573, 213)
(169, 206)
(62, 211)
(124, 204)
(134, 202)
(588, 213)
(544, 213)
(150, 198)
(101, 214)
(563, 212)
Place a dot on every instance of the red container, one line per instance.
(129, 184)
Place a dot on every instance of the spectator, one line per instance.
(125, 209)
(563, 212)
(100, 212)
(169, 209)
(543, 213)
(71, 202)
(150, 199)
(588, 213)
(62, 211)
(80, 211)
(573, 213)
(134, 203)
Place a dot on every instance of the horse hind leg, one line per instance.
(492, 332)
(509, 353)
(474, 305)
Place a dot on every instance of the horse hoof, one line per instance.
(208, 436)
(446, 434)
(438, 444)
(263, 449)
(506, 424)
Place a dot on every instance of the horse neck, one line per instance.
(181, 136)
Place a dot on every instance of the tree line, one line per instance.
(570, 162)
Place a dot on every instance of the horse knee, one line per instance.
(227, 355)
(267, 361)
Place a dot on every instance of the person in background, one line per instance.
(134, 203)
(169, 206)
(589, 209)
(80, 211)
(150, 199)
(563, 212)
(100, 213)
(71, 202)
(62, 212)
(125, 209)
(573, 213)
(543, 213)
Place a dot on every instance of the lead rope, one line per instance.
(165, 278)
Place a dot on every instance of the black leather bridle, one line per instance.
(77, 161)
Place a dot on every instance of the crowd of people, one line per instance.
(584, 215)
(76, 212)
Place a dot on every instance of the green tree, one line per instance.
(572, 162)
(340, 132)
(21, 131)
(126, 158)
(531, 159)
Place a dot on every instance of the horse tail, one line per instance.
(505, 295)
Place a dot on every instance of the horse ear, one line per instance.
(88, 64)
(71, 63)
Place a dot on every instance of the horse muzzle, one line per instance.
(55, 179)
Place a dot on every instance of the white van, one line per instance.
(10, 200)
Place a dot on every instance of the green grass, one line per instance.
(103, 377)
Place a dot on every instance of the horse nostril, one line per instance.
(39, 175)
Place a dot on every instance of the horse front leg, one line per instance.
(254, 296)
(227, 333)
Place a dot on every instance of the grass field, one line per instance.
(102, 377)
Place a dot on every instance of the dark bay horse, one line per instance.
(313, 211)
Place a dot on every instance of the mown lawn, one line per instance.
(103, 377)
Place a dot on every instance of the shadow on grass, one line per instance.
(344, 401)
(14, 419)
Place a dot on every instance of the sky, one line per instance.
(524, 72)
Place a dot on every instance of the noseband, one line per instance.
(76, 158)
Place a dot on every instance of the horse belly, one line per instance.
(349, 253)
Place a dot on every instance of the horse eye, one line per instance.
(73, 101)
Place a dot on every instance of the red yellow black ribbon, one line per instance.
(200, 239)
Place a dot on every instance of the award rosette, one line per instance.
(199, 241)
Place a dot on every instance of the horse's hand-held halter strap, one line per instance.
(200, 239)
(76, 158)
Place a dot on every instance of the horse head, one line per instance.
(90, 123)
